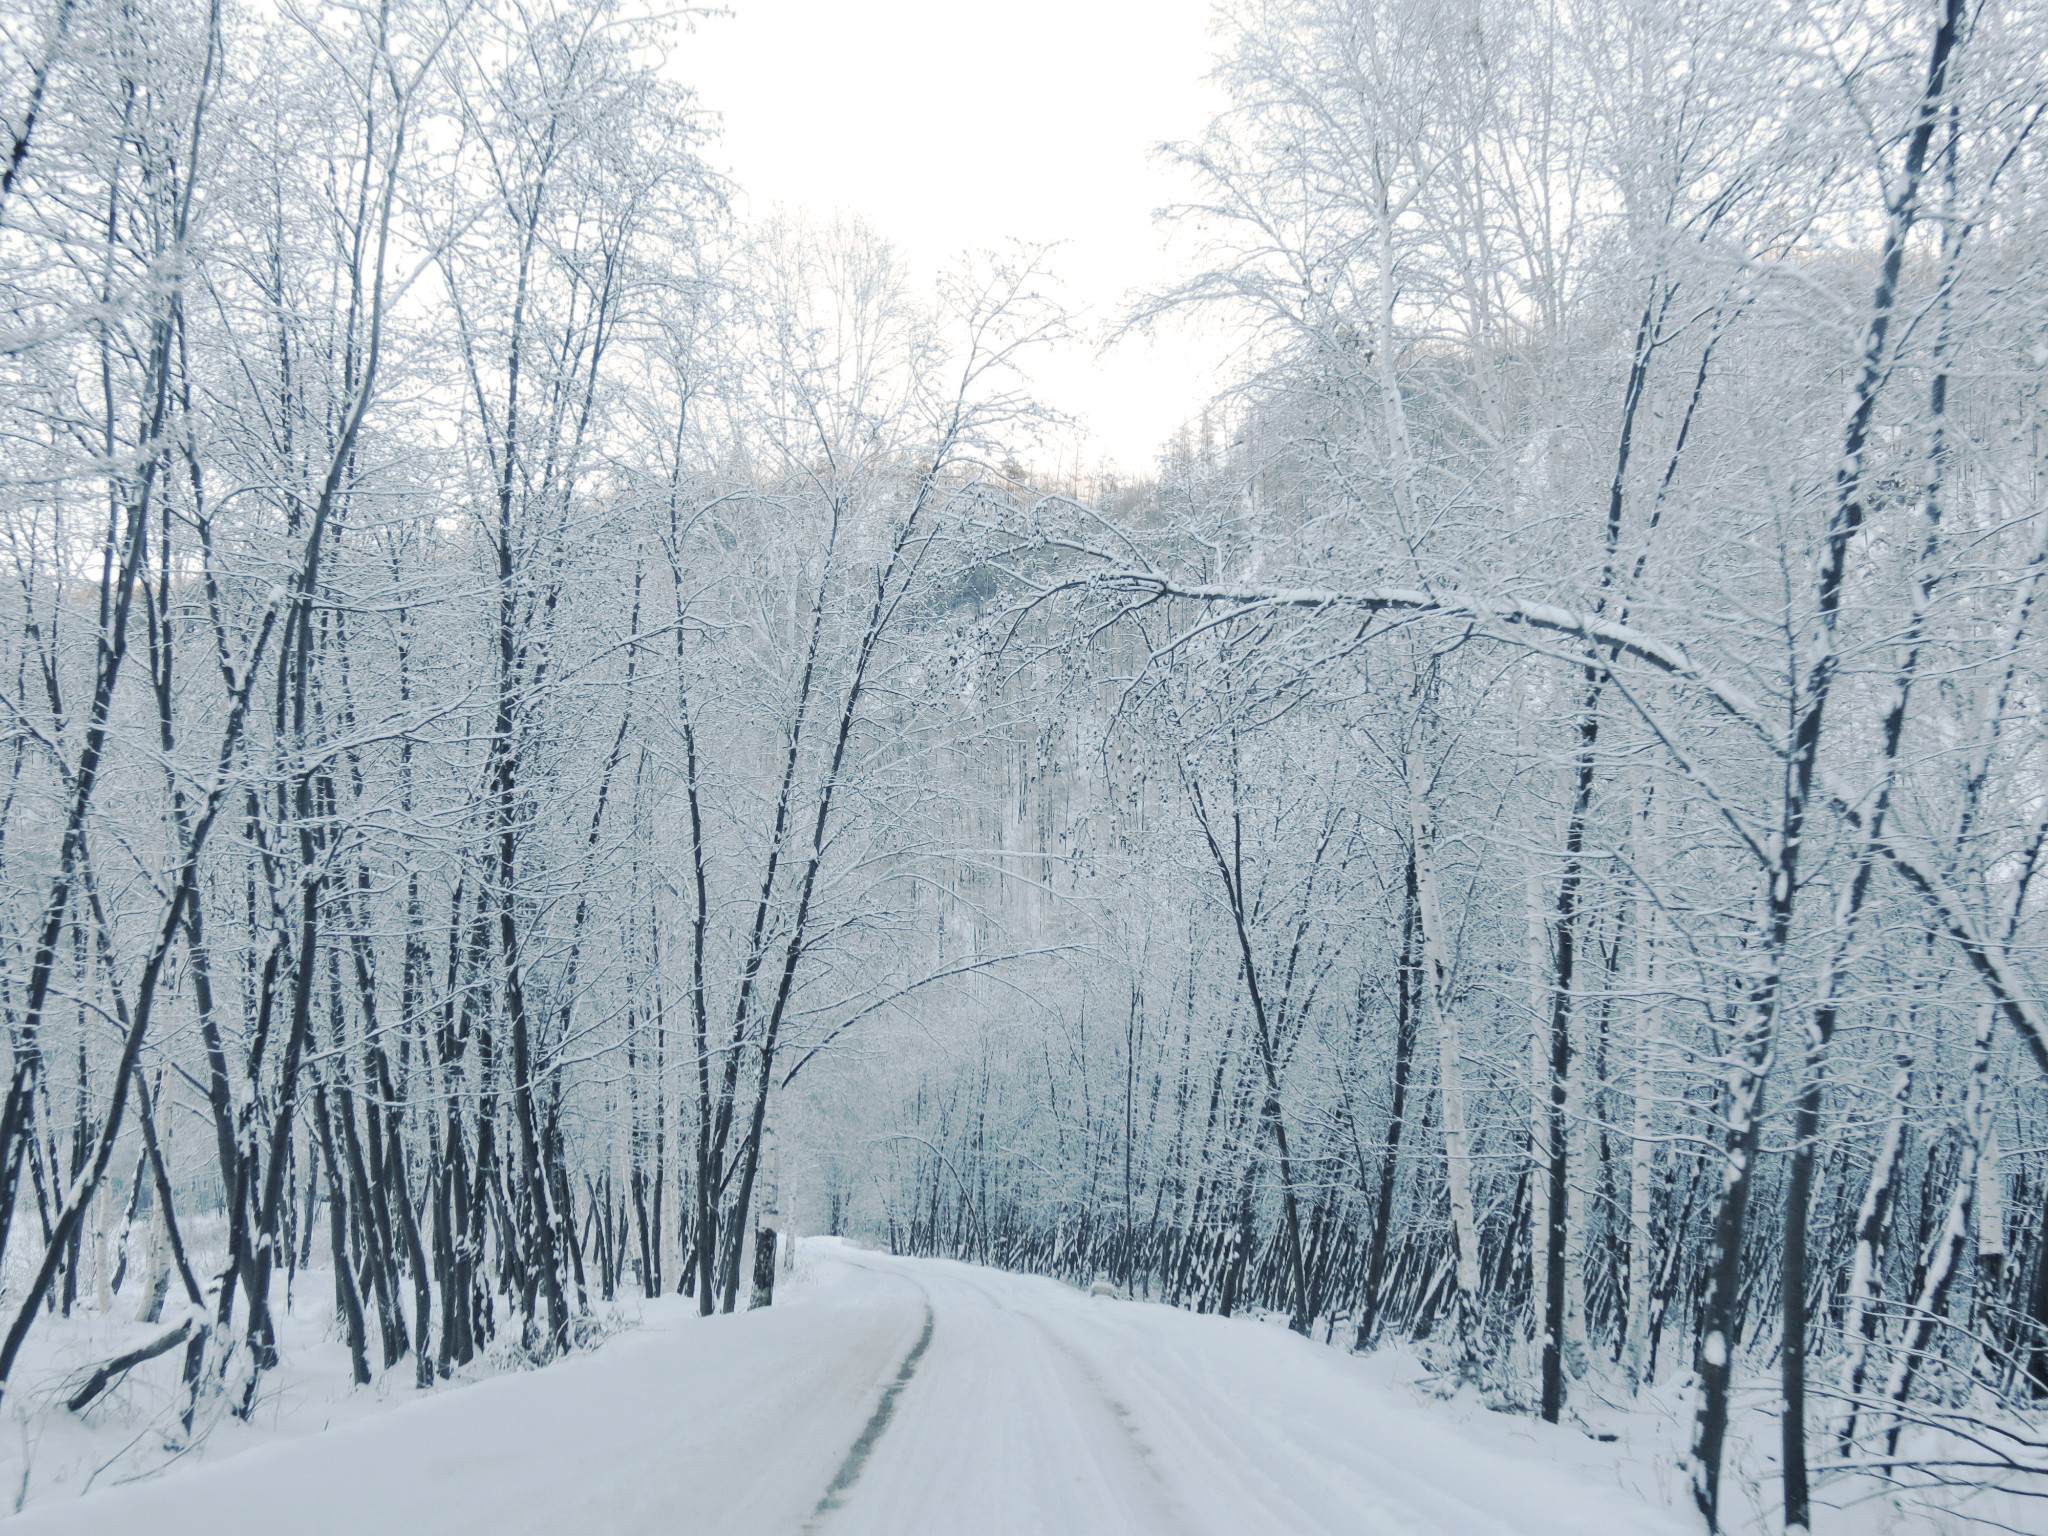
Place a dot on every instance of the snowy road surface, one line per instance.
(894, 1397)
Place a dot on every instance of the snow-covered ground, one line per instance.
(1030, 1408)
(898, 1397)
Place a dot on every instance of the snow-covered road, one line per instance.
(894, 1397)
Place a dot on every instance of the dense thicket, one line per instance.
(1559, 774)
(537, 745)
(468, 651)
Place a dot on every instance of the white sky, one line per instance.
(952, 125)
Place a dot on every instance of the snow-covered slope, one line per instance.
(895, 1397)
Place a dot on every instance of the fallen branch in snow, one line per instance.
(99, 1380)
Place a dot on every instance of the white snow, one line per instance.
(1034, 1409)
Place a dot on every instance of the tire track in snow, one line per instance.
(1126, 1423)
(878, 1421)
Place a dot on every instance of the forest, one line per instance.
(553, 730)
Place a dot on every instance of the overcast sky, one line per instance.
(951, 126)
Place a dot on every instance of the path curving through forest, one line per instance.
(899, 1397)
